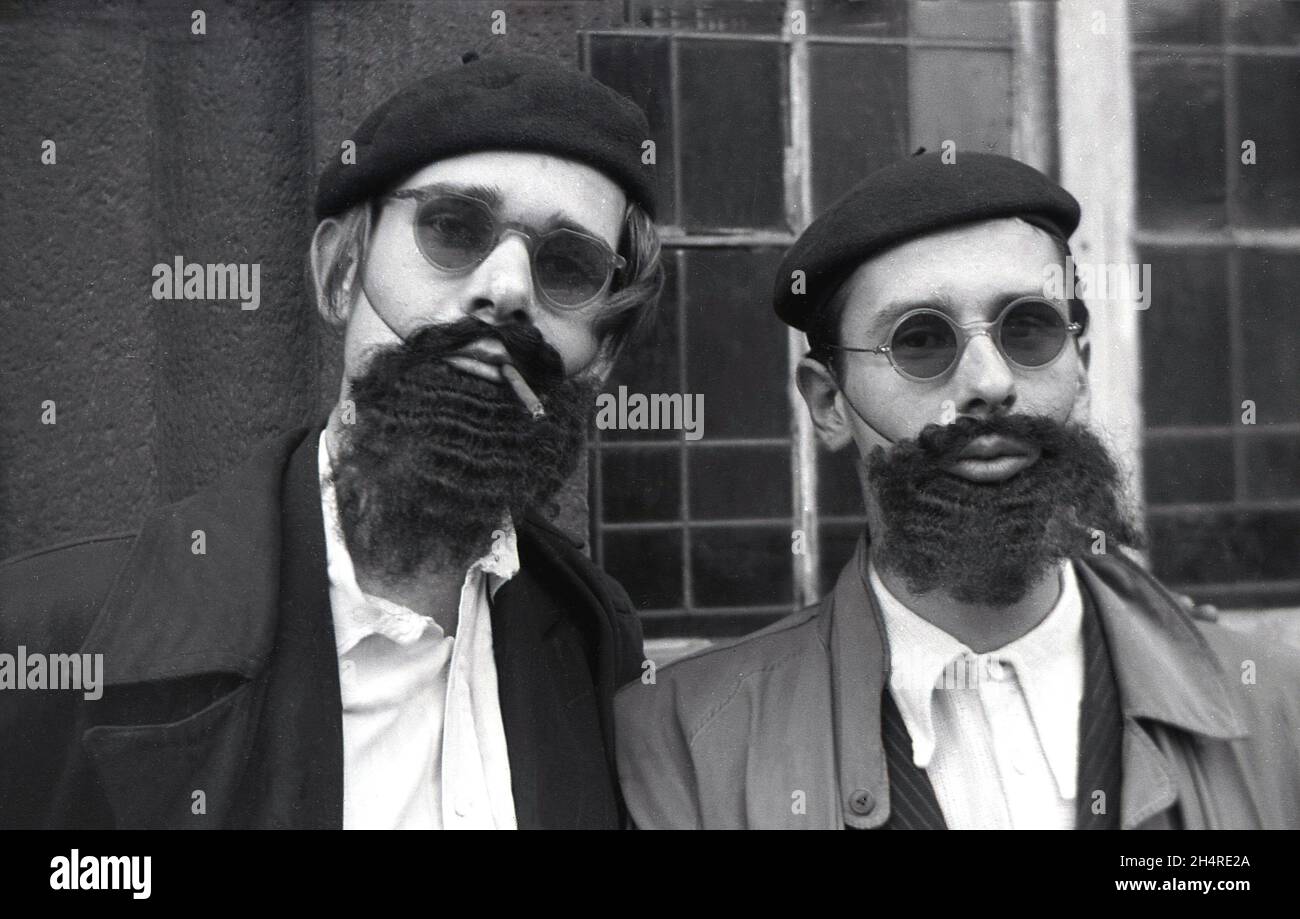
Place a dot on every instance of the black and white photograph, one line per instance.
(650, 414)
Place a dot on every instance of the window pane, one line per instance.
(652, 364)
(747, 566)
(1175, 21)
(1180, 141)
(857, 17)
(737, 354)
(1268, 112)
(1226, 547)
(1271, 334)
(859, 115)
(1184, 337)
(641, 484)
(1264, 22)
(1273, 464)
(729, 482)
(963, 96)
(961, 19)
(1188, 469)
(648, 565)
(637, 67)
(733, 134)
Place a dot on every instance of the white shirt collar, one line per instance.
(360, 615)
(924, 658)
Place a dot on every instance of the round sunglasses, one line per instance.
(456, 232)
(924, 344)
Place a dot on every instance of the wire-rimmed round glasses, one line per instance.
(456, 232)
(924, 344)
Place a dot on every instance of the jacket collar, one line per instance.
(220, 550)
(1164, 669)
(227, 623)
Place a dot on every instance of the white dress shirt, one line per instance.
(423, 742)
(997, 733)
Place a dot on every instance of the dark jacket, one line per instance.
(221, 705)
(1211, 718)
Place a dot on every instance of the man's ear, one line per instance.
(602, 365)
(325, 245)
(820, 391)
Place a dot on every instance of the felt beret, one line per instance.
(910, 198)
(506, 102)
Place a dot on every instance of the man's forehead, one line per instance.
(967, 263)
(919, 195)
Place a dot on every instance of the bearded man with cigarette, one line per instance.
(382, 629)
(990, 658)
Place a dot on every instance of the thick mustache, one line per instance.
(540, 364)
(945, 443)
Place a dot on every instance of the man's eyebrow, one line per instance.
(559, 221)
(893, 310)
(493, 197)
(489, 194)
(941, 303)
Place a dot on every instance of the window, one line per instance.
(758, 125)
(1221, 343)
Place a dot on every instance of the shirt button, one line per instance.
(862, 802)
(348, 671)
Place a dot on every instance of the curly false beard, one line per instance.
(989, 543)
(437, 457)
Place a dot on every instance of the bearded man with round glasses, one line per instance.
(990, 657)
(384, 630)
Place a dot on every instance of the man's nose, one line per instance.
(985, 384)
(501, 287)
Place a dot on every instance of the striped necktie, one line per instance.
(912, 804)
(1101, 730)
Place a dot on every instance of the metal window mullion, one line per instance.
(798, 208)
(679, 283)
(683, 462)
(1224, 430)
(1033, 64)
(1236, 348)
(675, 106)
(720, 523)
(823, 38)
(1284, 238)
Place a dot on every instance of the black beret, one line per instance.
(507, 102)
(910, 198)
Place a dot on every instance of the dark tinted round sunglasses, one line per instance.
(456, 232)
(924, 344)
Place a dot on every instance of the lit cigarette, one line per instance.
(525, 394)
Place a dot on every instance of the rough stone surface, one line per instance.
(207, 147)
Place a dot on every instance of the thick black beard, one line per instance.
(989, 543)
(437, 457)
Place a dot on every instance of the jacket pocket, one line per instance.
(177, 775)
